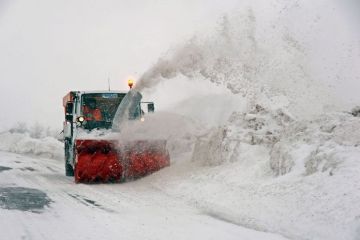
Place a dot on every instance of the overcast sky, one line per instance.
(48, 48)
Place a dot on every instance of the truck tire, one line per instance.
(69, 171)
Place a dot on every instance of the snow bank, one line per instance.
(24, 143)
(307, 147)
(257, 127)
(268, 171)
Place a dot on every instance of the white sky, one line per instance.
(48, 48)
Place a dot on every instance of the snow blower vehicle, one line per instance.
(90, 158)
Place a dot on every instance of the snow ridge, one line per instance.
(31, 142)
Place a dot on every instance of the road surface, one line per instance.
(38, 202)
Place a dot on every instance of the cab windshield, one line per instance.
(98, 109)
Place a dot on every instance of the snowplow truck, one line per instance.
(92, 159)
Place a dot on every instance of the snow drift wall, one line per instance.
(257, 127)
(307, 147)
(268, 171)
(34, 141)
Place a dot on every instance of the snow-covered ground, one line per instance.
(134, 210)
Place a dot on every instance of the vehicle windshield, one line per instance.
(98, 109)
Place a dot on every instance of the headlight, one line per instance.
(81, 119)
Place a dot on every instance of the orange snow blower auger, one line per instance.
(91, 158)
(108, 161)
(97, 161)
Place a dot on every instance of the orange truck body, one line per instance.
(99, 160)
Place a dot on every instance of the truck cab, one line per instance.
(88, 110)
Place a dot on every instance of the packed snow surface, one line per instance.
(38, 202)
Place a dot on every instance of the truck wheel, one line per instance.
(69, 171)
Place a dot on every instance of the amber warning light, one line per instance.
(130, 83)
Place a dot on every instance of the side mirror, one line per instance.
(151, 107)
(69, 108)
(69, 111)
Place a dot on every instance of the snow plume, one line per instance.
(126, 110)
(264, 64)
(178, 131)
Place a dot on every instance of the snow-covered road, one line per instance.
(133, 210)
